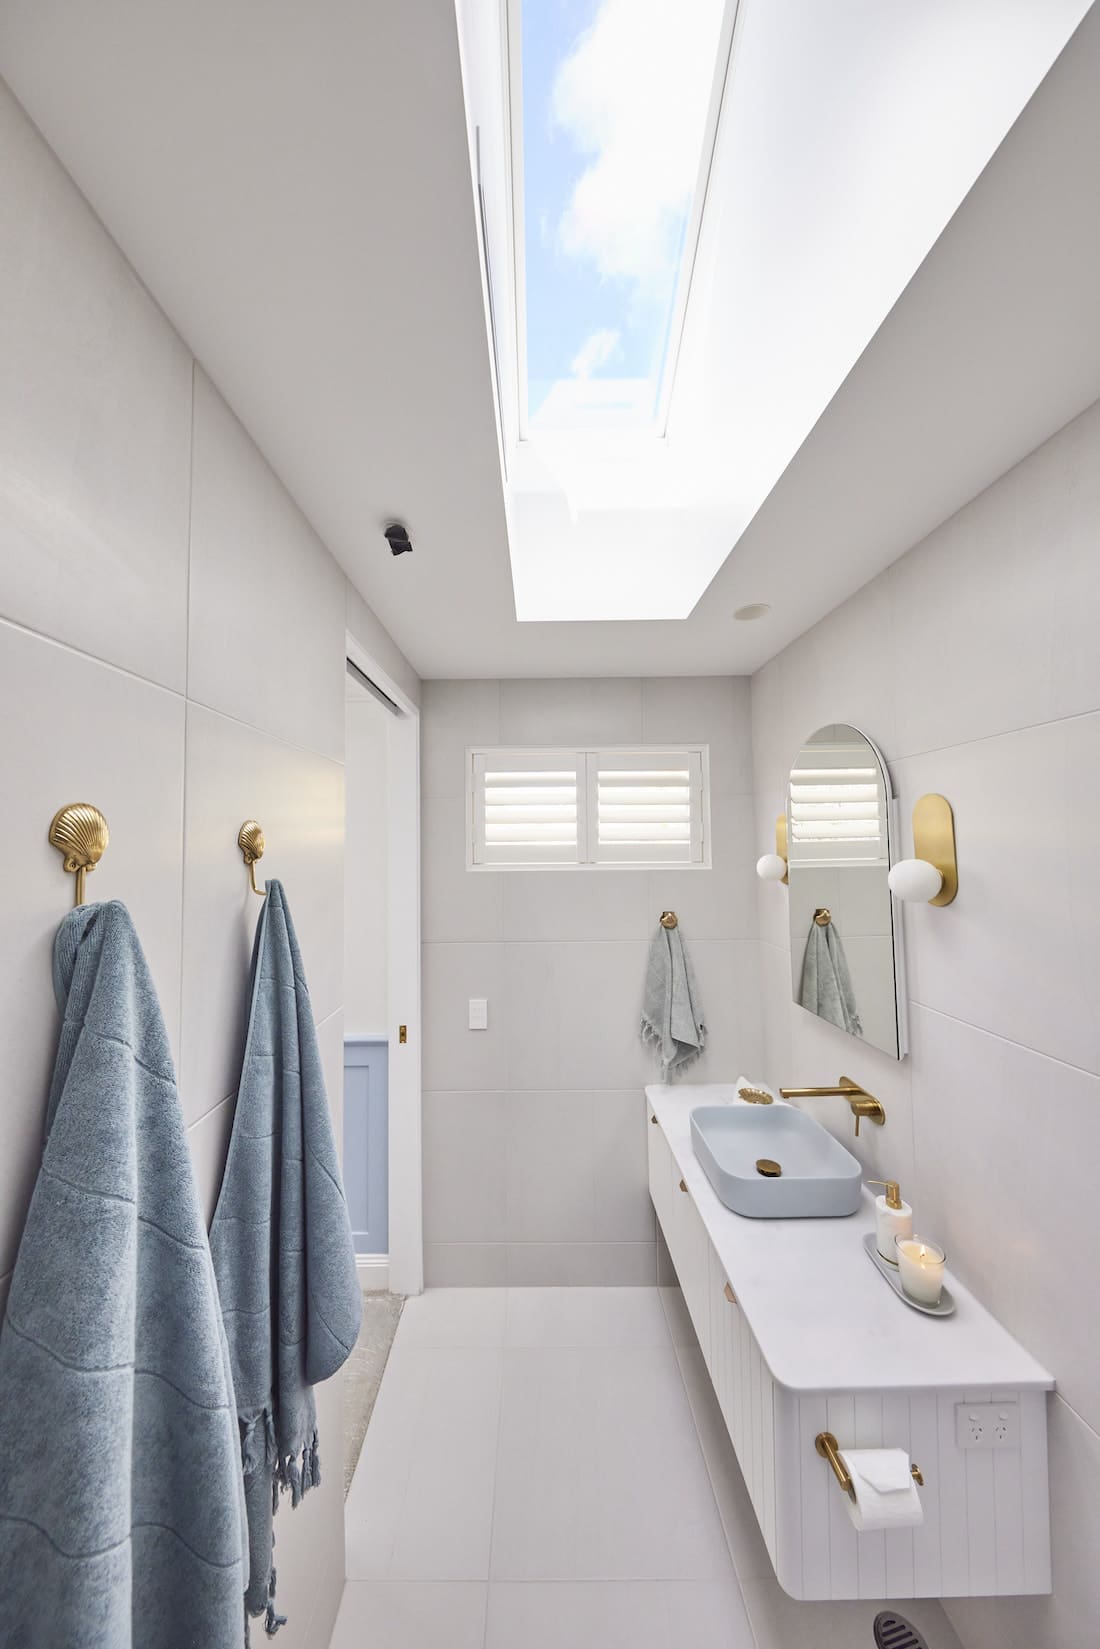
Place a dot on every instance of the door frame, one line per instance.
(406, 1225)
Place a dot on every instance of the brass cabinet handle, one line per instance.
(683, 1187)
(730, 1295)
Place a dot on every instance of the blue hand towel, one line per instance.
(282, 1244)
(122, 1517)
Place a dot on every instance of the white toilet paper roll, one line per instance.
(885, 1494)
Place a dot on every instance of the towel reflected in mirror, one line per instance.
(826, 983)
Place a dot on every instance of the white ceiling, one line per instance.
(293, 184)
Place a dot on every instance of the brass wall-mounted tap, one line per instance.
(864, 1106)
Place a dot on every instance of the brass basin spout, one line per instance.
(864, 1106)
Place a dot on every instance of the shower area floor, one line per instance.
(547, 1468)
(364, 1369)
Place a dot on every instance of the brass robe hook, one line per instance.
(250, 840)
(79, 833)
(669, 919)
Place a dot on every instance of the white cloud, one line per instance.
(596, 350)
(633, 95)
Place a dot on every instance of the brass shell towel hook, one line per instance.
(79, 833)
(669, 919)
(250, 840)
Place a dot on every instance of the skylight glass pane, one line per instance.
(616, 100)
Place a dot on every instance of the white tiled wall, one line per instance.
(171, 648)
(534, 1131)
(973, 663)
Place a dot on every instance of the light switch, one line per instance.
(479, 1013)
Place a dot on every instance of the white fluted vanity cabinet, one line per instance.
(814, 1340)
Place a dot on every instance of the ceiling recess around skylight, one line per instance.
(697, 217)
(613, 112)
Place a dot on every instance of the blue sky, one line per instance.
(610, 154)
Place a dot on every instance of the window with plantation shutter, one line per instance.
(587, 808)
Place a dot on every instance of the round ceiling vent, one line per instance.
(755, 609)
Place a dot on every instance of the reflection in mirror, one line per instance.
(843, 924)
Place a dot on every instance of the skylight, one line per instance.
(614, 104)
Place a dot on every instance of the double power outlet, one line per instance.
(987, 1425)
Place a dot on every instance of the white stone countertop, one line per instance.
(823, 1317)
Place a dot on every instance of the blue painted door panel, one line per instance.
(366, 1141)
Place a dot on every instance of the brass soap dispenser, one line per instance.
(893, 1218)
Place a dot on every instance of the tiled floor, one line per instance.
(533, 1478)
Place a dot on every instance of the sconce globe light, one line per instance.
(915, 880)
(771, 868)
(932, 876)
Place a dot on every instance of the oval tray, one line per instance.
(946, 1307)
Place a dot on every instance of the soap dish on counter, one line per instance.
(946, 1306)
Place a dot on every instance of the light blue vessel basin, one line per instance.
(818, 1178)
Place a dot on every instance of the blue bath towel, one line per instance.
(282, 1244)
(121, 1512)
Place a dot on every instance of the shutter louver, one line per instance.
(648, 812)
(528, 816)
(837, 812)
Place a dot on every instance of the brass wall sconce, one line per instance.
(772, 867)
(932, 875)
(250, 840)
(79, 833)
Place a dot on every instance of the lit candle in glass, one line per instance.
(920, 1266)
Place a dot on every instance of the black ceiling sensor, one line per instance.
(397, 537)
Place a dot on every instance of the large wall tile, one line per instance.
(993, 1186)
(95, 418)
(234, 773)
(454, 715)
(456, 903)
(604, 710)
(711, 710)
(71, 735)
(719, 903)
(576, 904)
(465, 1265)
(728, 974)
(208, 1139)
(582, 1265)
(1013, 953)
(455, 1056)
(268, 603)
(464, 1161)
(1018, 562)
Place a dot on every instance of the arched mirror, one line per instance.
(845, 925)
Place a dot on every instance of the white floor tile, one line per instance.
(699, 1614)
(585, 1317)
(781, 1623)
(442, 1317)
(599, 1474)
(420, 1505)
(411, 1614)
